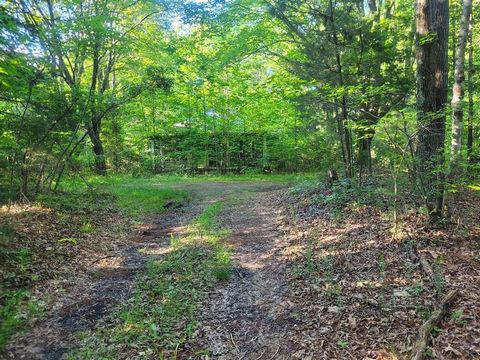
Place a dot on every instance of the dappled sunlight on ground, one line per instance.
(21, 209)
(353, 268)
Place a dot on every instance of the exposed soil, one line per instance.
(250, 316)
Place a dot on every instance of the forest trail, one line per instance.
(249, 316)
(87, 301)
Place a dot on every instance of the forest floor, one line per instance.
(249, 270)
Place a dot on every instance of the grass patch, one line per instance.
(15, 310)
(145, 200)
(99, 182)
(160, 317)
(9, 314)
(135, 197)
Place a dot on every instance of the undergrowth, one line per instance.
(60, 225)
(160, 317)
(15, 310)
(342, 192)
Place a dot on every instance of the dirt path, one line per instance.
(250, 317)
(90, 296)
(87, 298)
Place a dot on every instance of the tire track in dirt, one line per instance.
(93, 294)
(250, 317)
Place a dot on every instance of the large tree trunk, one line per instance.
(458, 92)
(432, 81)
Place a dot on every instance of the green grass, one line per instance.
(160, 317)
(136, 197)
(145, 200)
(9, 313)
(172, 180)
(15, 310)
(140, 196)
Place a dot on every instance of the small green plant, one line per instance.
(336, 214)
(410, 268)
(457, 316)
(424, 311)
(23, 257)
(223, 267)
(68, 240)
(334, 291)
(436, 330)
(416, 288)
(87, 227)
(342, 343)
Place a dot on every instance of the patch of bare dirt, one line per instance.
(250, 317)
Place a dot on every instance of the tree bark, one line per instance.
(458, 91)
(470, 91)
(347, 140)
(431, 82)
(94, 134)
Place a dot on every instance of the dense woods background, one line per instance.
(148, 87)
(183, 178)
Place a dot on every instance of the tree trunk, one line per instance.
(100, 164)
(347, 139)
(95, 123)
(470, 91)
(432, 81)
(458, 92)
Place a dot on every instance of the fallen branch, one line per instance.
(234, 344)
(423, 337)
(415, 255)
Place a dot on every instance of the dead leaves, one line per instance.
(384, 295)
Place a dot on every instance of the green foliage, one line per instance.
(345, 192)
(19, 260)
(87, 227)
(15, 310)
(11, 301)
(458, 317)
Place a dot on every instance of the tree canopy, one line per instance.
(224, 86)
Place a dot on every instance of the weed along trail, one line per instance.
(249, 317)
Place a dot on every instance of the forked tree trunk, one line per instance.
(431, 80)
